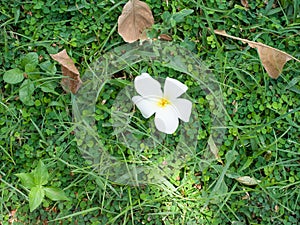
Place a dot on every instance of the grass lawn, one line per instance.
(92, 158)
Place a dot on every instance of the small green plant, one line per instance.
(35, 181)
(28, 71)
(171, 21)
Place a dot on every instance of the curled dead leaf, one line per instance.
(272, 59)
(214, 149)
(71, 80)
(247, 180)
(245, 3)
(165, 37)
(136, 17)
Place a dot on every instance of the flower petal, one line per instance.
(166, 120)
(147, 106)
(173, 88)
(146, 86)
(184, 108)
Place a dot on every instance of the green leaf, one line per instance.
(41, 174)
(26, 91)
(144, 196)
(166, 16)
(231, 156)
(246, 164)
(48, 67)
(26, 179)
(36, 196)
(16, 16)
(49, 87)
(232, 175)
(292, 85)
(55, 103)
(29, 68)
(13, 76)
(179, 16)
(30, 58)
(55, 194)
(172, 22)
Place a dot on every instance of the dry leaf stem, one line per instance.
(245, 41)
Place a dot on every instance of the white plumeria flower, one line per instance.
(167, 105)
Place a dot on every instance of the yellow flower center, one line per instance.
(163, 102)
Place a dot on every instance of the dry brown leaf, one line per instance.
(136, 17)
(165, 37)
(272, 59)
(245, 4)
(71, 81)
(214, 149)
(247, 180)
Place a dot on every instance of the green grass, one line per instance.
(261, 115)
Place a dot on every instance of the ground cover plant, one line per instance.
(251, 176)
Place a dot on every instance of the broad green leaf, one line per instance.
(144, 196)
(48, 67)
(247, 163)
(13, 76)
(179, 16)
(26, 91)
(166, 16)
(55, 103)
(49, 87)
(55, 194)
(30, 58)
(292, 85)
(230, 156)
(247, 180)
(36, 196)
(50, 49)
(26, 179)
(41, 174)
(219, 192)
(232, 175)
(172, 22)
(220, 189)
(16, 15)
(29, 68)
(223, 189)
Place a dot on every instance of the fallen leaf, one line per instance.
(71, 81)
(245, 3)
(272, 59)
(246, 196)
(165, 37)
(214, 149)
(250, 181)
(136, 17)
(12, 218)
